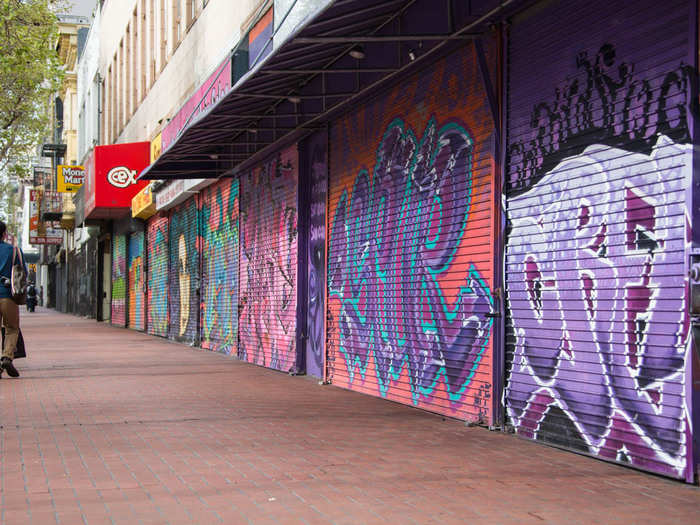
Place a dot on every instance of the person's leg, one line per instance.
(10, 319)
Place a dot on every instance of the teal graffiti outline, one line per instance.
(410, 232)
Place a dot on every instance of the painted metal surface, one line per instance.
(158, 263)
(410, 259)
(136, 281)
(119, 277)
(268, 262)
(316, 150)
(184, 274)
(599, 163)
(220, 246)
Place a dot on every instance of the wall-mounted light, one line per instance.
(357, 52)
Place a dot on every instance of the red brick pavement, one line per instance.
(107, 425)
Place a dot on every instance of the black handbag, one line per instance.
(20, 350)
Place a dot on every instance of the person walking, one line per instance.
(31, 297)
(9, 311)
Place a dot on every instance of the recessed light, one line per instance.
(357, 52)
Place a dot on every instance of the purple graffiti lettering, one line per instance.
(597, 312)
(392, 241)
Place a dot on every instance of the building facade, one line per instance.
(386, 197)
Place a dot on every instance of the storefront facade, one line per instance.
(462, 236)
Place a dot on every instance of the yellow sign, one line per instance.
(143, 205)
(156, 146)
(70, 178)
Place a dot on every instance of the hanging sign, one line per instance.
(70, 178)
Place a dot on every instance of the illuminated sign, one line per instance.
(110, 179)
(70, 178)
(143, 204)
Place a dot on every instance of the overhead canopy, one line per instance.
(335, 59)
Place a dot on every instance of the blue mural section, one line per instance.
(220, 242)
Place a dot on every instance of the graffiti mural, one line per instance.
(268, 262)
(598, 323)
(603, 103)
(220, 267)
(183, 297)
(410, 259)
(158, 276)
(119, 276)
(391, 243)
(316, 254)
(136, 278)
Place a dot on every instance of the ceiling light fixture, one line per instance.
(411, 55)
(294, 99)
(357, 52)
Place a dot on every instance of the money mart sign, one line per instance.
(70, 178)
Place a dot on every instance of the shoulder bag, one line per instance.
(18, 280)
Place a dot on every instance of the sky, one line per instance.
(81, 7)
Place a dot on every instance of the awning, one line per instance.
(336, 58)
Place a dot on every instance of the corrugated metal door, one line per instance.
(598, 166)
(184, 273)
(219, 315)
(316, 153)
(410, 260)
(268, 262)
(158, 261)
(119, 278)
(136, 281)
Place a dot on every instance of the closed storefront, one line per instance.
(219, 314)
(119, 279)
(136, 281)
(598, 167)
(61, 284)
(184, 274)
(268, 262)
(315, 183)
(158, 262)
(86, 279)
(410, 259)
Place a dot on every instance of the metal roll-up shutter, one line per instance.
(136, 281)
(219, 315)
(119, 277)
(597, 170)
(183, 297)
(158, 262)
(315, 150)
(268, 262)
(410, 263)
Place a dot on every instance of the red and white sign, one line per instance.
(40, 231)
(110, 179)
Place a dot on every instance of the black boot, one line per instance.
(9, 367)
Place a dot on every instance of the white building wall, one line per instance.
(89, 91)
(209, 40)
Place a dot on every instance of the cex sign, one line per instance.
(110, 179)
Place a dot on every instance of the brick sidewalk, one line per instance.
(107, 425)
